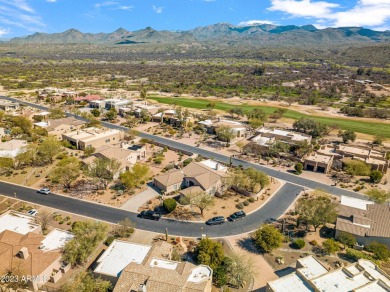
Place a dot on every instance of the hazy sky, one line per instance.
(22, 17)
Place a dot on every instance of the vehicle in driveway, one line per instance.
(44, 191)
(32, 212)
(237, 215)
(150, 214)
(216, 220)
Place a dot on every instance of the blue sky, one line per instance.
(22, 17)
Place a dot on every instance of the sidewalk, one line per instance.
(140, 199)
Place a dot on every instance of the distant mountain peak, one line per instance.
(219, 34)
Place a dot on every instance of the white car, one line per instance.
(44, 191)
(32, 212)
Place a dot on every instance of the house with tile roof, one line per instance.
(365, 220)
(206, 175)
(24, 251)
(150, 268)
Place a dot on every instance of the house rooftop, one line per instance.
(316, 157)
(90, 134)
(118, 255)
(311, 268)
(355, 203)
(56, 240)
(292, 282)
(18, 222)
(314, 277)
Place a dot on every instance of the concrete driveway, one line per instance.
(140, 199)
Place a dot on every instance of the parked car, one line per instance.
(216, 220)
(32, 212)
(44, 191)
(150, 214)
(237, 215)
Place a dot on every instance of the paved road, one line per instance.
(303, 182)
(274, 208)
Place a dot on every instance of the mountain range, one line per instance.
(221, 33)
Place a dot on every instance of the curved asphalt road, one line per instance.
(274, 208)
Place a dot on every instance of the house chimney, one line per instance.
(23, 253)
(218, 166)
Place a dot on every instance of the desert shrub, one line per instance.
(170, 205)
(246, 203)
(109, 240)
(299, 243)
(240, 206)
(314, 242)
(251, 200)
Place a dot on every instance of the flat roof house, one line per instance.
(93, 137)
(311, 276)
(289, 137)
(365, 220)
(6, 105)
(375, 158)
(12, 148)
(58, 127)
(134, 267)
(318, 162)
(127, 155)
(238, 128)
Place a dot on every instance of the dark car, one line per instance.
(150, 214)
(237, 215)
(216, 220)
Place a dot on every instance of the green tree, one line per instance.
(298, 168)
(356, 167)
(380, 250)
(317, 210)
(249, 179)
(347, 135)
(378, 196)
(137, 175)
(56, 113)
(111, 114)
(95, 112)
(23, 123)
(143, 93)
(202, 201)
(88, 151)
(48, 149)
(347, 239)
(330, 246)
(209, 253)
(170, 204)
(378, 140)
(299, 243)
(225, 134)
(124, 228)
(311, 127)
(234, 271)
(66, 171)
(86, 282)
(103, 170)
(376, 176)
(87, 235)
(6, 165)
(268, 238)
